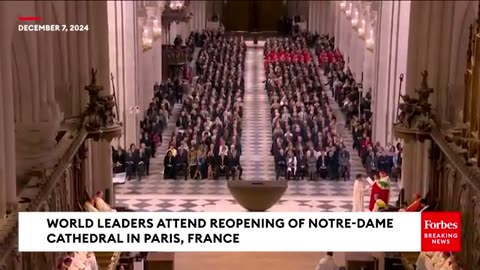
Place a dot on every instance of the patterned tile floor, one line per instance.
(155, 194)
(256, 127)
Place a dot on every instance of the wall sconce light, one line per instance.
(176, 5)
(134, 110)
(147, 41)
(355, 19)
(157, 30)
(370, 42)
(361, 29)
(348, 12)
(343, 5)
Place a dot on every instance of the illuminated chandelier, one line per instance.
(370, 42)
(176, 5)
(349, 11)
(355, 19)
(361, 29)
(343, 5)
(147, 41)
(156, 29)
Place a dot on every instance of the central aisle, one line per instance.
(159, 195)
(256, 135)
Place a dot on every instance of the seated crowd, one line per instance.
(357, 109)
(305, 141)
(135, 161)
(206, 141)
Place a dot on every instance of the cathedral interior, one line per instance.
(96, 111)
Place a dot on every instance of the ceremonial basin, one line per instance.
(257, 196)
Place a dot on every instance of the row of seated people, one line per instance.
(210, 120)
(135, 161)
(201, 162)
(345, 90)
(305, 139)
(297, 53)
(78, 261)
(218, 54)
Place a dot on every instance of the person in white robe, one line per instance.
(424, 261)
(77, 264)
(359, 190)
(88, 206)
(327, 263)
(100, 204)
(91, 261)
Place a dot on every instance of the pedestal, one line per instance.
(101, 154)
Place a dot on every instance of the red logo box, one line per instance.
(441, 231)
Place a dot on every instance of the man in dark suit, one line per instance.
(280, 164)
(222, 164)
(235, 166)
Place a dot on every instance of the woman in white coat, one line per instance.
(359, 190)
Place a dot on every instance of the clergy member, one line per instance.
(327, 263)
(380, 187)
(359, 194)
(416, 205)
(100, 204)
(77, 263)
(379, 204)
(91, 261)
(88, 206)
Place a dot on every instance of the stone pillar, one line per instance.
(101, 155)
(416, 168)
(102, 168)
(39, 122)
(408, 170)
(199, 20)
(314, 16)
(3, 157)
(8, 183)
(391, 38)
(121, 15)
(8, 129)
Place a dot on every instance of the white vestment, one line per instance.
(91, 261)
(101, 205)
(424, 262)
(77, 264)
(327, 263)
(358, 196)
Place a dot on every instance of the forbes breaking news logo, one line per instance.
(441, 231)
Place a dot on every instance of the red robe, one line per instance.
(382, 188)
(415, 206)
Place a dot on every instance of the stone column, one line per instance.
(408, 168)
(8, 183)
(122, 24)
(381, 89)
(3, 157)
(36, 129)
(314, 16)
(199, 20)
(8, 129)
(99, 58)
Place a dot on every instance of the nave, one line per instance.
(154, 193)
